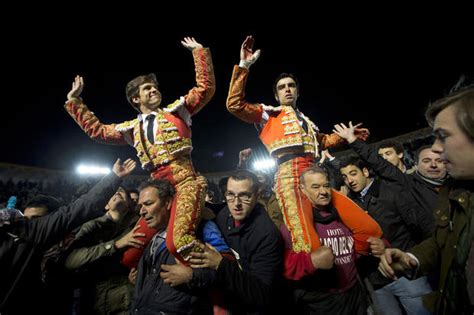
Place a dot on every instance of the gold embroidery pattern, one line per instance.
(289, 141)
(91, 125)
(289, 111)
(167, 147)
(170, 135)
(165, 124)
(311, 139)
(190, 200)
(182, 169)
(292, 128)
(295, 134)
(126, 125)
(289, 200)
(288, 119)
(309, 148)
(183, 146)
(173, 143)
(175, 105)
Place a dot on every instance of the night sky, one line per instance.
(382, 73)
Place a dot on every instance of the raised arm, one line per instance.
(382, 167)
(329, 140)
(244, 157)
(335, 138)
(247, 55)
(86, 119)
(92, 251)
(50, 229)
(89, 253)
(236, 103)
(205, 87)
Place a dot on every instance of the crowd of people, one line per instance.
(360, 233)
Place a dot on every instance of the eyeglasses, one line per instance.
(244, 197)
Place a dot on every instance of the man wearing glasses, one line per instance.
(248, 283)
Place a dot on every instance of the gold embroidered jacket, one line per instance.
(281, 129)
(173, 135)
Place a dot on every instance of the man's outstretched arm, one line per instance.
(86, 119)
(205, 87)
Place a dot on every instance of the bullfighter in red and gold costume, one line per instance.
(162, 139)
(290, 137)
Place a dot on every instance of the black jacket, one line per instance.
(22, 245)
(250, 284)
(423, 193)
(395, 216)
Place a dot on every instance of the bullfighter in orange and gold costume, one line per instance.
(162, 139)
(290, 137)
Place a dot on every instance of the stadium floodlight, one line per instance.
(264, 164)
(92, 170)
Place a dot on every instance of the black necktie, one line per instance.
(149, 129)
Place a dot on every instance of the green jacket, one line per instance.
(96, 262)
(446, 252)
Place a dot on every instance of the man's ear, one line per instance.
(400, 156)
(169, 203)
(276, 98)
(302, 188)
(366, 172)
(136, 100)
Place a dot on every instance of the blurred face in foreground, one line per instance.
(453, 145)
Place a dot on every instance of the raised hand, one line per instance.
(244, 155)
(347, 133)
(124, 169)
(361, 133)
(247, 55)
(352, 132)
(77, 86)
(190, 43)
(131, 239)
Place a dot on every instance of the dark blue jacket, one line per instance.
(153, 296)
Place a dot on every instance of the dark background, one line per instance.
(382, 70)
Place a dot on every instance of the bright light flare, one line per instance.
(264, 164)
(92, 170)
